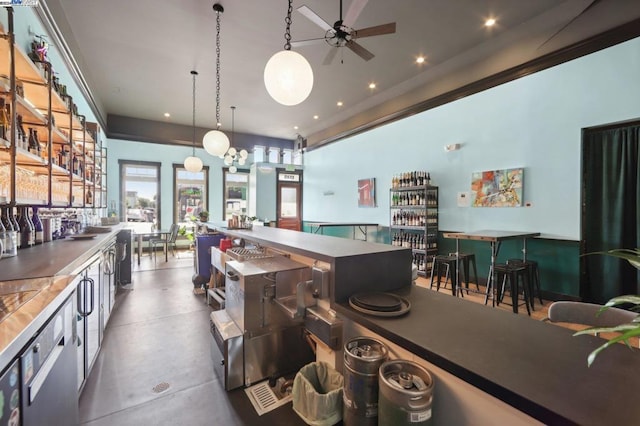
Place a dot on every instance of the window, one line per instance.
(236, 188)
(190, 194)
(140, 194)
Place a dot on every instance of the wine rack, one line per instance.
(48, 156)
(413, 222)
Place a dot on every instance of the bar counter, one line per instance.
(49, 268)
(536, 367)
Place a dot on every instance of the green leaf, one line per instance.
(623, 337)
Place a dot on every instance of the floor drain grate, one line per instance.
(161, 387)
(264, 399)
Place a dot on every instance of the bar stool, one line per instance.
(515, 275)
(467, 259)
(449, 264)
(534, 278)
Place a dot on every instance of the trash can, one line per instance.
(317, 394)
(363, 356)
(405, 395)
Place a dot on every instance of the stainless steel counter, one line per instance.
(48, 270)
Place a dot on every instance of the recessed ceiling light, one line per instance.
(372, 85)
(490, 22)
(315, 117)
(295, 127)
(166, 114)
(420, 59)
(339, 103)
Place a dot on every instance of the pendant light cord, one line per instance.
(287, 32)
(218, 124)
(194, 73)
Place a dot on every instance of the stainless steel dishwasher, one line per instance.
(48, 372)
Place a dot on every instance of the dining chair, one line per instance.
(165, 242)
(587, 314)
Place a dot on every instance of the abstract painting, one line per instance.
(367, 192)
(497, 188)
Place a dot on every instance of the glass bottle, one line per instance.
(4, 122)
(89, 197)
(26, 231)
(37, 225)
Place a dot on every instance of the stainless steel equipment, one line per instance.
(226, 350)
(273, 342)
(363, 356)
(48, 373)
(406, 394)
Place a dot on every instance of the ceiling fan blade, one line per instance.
(353, 12)
(313, 17)
(359, 50)
(589, 6)
(330, 56)
(389, 28)
(308, 42)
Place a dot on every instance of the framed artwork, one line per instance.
(497, 188)
(367, 192)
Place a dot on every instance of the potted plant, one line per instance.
(626, 331)
(204, 216)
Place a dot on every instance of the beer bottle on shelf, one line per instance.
(37, 225)
(26, 232)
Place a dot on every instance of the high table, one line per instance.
(158, 233)
(495, 238)
(319, 227)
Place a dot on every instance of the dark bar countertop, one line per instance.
(536, 367)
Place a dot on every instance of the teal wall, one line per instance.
(534, 122)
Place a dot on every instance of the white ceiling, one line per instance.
(136, 55)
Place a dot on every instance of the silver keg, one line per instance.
(363, 356)
(406, 394)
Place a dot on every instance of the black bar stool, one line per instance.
(515, 275)
(448, 263)
(534, 278)
(468, 259)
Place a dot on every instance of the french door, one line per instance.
(289, 200)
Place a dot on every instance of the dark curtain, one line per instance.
(611, 189)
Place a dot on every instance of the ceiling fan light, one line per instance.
(241, 161)
(288, 77)
(244, 154)
(233, 169)
(192, 164)
(232, 151)
(215, 142)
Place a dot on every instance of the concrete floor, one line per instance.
(158, 338)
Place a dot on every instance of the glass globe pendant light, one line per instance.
(193, 163)
(215, 142)
(288, 76)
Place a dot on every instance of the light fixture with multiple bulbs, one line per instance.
(193, 163)
(288, 77)
(233, 155)
(215, 142)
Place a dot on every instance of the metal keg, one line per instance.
(406, 394)
(363, 356)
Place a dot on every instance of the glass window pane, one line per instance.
(236, 189)
(190, 196)
(288, 198)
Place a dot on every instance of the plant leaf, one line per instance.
(617, 329)
(623, 337)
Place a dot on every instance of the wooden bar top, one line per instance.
(490, 235)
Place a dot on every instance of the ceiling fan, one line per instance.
(341, 34)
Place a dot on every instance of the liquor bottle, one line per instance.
(26, 231)
(4, 219)
(5, 132)
(74, 165)
(16, 227)
(89, 197)
(37, 141)
(33, 145)
(37, 225)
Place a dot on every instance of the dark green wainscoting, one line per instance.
(558, 260)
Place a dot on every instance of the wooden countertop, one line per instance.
(536, 367)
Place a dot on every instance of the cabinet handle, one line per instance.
(91, 284)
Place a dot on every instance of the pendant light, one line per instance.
(233, 155)
(193, 163)
(215, 142)
(288, 76)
